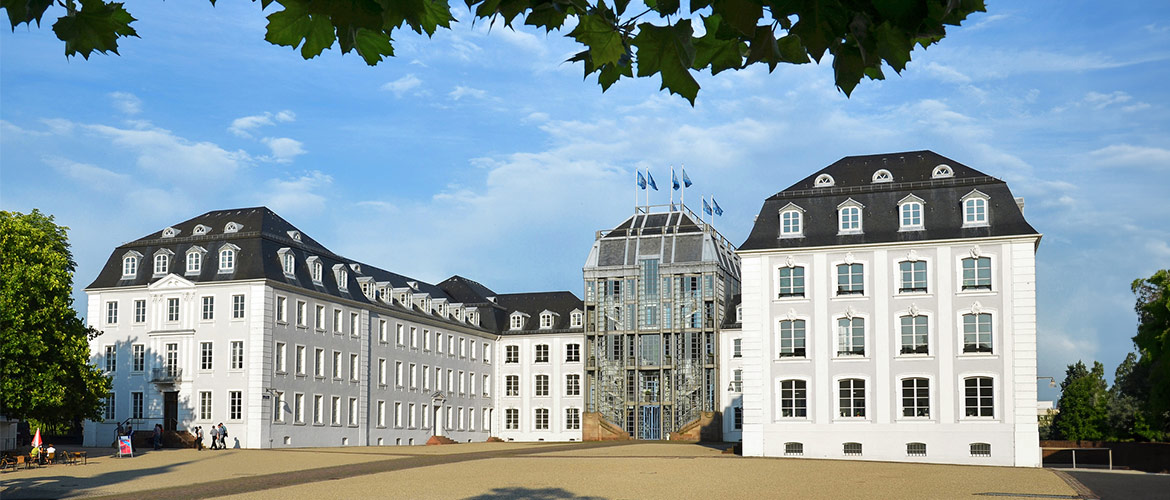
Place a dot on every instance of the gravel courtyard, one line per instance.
(544, 471)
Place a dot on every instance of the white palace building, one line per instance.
(881, 309)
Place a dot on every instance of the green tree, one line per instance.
(1083, 404)
(1127, 401)
(659, 40)
(1153, 343)
(45, 373)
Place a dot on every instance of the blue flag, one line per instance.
(718, 211)
(673, 180)
(641, 180)
(651, 177)
(706, 207)
(686, 180)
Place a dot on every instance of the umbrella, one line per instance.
(37, 438)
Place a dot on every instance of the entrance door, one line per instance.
(170, 411)
(650, 423)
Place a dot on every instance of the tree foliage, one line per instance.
(44, 350)
(657, 37)
(1153, 343)
(1083, 404)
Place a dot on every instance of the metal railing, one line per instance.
(166, 375)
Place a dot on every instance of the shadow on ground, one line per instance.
(530, 494)
(14, 487)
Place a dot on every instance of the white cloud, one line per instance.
(244, 125)
(162, 153)
(126, 102)
(462, 91)
(1128, 155)
(303, 195)
(944, 73)
(283, 148)
(402, 85)
(88, 175)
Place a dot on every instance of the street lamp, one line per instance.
(1051, 381)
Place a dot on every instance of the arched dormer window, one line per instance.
(130, 264)
(295, 235)
(546, 320)
(472, 316)
(791, 221)
(575, 319)
(200, 230)
(195, 259)
(342, 277)
(170, 232)
(367, 285)
(824, 180)
(517, 321)
(942, 171)
(849, 217)
(162, 261)
(288, 261)
(227, 258)
(232, 227)
(882, 175)
(975, 208)
(910, 211)
(315, 268)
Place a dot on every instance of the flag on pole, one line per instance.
(686, 180)
(718, 211)
(673, 179)
(642, 180)
(706, 207)
(651, 177)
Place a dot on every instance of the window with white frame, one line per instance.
(318, 409)
(793, 449)
(235, 405)
(300, 360)
(851, 397)
(541, 423)
(511, 419)
(852, 449)
(317, 268)
(977, 333)
(281, 310)
(737, 348)
(139, 311)
(546, 320)
(978, 397)
(462, 347)
(112, 312)
(237, 354)
(342, 277)
(319, 362)
(737, 380)
(882, 175)
(572, 353)
(977, 273)
(980, 449)
(942, 171)
(791, 223)
(974, 209)
(511, 354)
(411, 422)
(173, 309)
(790, 282)
(793, 399)
(851, 336)
(517, 321)
(400, 335)
(279, 353)
(541, 353)
(412, 376)
(137, 357)
(575, 319)
(335, 410)
(206, 350)
(399, 376)
(354, 329)
(792, 338)
(912, 276)
(850, 279)
(915, 338)
(136, 405)
(542, 385)
(289, 262)
(111, 358)
(299, 408)
(910, 213)
(353, 411)
(487, 383)
(227, 259)
(207, 311)
(278, 407)
(129, 266)
(573, 384)
(849, 217)
(916, 397)
(237, 306)
(161, 263)
(337, 324)
(205, 401)
(824, 180)
(337, 365)
(194, 260)
(353, 367)
(512, 385)
(572, 419)
(382, 371)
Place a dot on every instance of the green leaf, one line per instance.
(820, 26)
(602, 38)
(721, 54)
(665, 7)
(743, 15)
(848, 69)
(25, 11)
(320, 37)
(289, 27)
(372, 45)
(764, 48)
(547, 16)
(894, 46)
(667, 50)
(792, 50)
(97, 26)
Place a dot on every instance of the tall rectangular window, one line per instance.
(381, 371)
(300, 360)
(353, 367)
(237, 354)
(850, 279)
(204, 405)
(737, 348)
(281, 309)
(913, 276)
(111, 313)
(542, 385)
(979, 397)
(542, 419)
(977, 333)
(353, 411)
(172, 360)
(400, 335)
(319, 317)
(511, 419)
(512, 385)
(382, 331)
(279, 353)
(138, 357)
(414, 337)
(111, 407)
(337, 326)
(851, 394)
(541, 353)
(572, 419)
(337, 365)
(278, 407)
(299, 408)
(205, 352)
(397, 414)
(793, 399)
(354, 325)
(412, 377)
(139, 311)
(486, 385)
(208, 308)
(398, 375)
(111, 358)
(791, 282)
(977, 273)
(173, 309)
(135, 405)
(381, 414)
(573, 384)
(237, 306)
(302, 313)
(511, 354)
(736, 381)
(915, 336)
(851, 337)
(319, 362)
(792, 339)
(335, 410)
(915, 397)
(318, 409)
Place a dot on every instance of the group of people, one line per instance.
(42, 455)
(219, 436)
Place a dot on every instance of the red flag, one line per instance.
(37, 438)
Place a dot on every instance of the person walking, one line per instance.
(158, 432)
(222, 436)
(130, 434)
(214, 437)
(198, 431)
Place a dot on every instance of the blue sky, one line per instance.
(481, 153)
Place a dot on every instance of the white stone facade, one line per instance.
(545, 401)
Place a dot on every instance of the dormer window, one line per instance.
(974, 208)
(910, 213)
(315, 268)
(849, 217)
(472, 316)
(288, 261)
(227, 258)
(130, 264)
(517, 321)
(942, 171)
(575, 319)
(739, 313)
(195, 259)
(791, 221)
(357, 268)
(232, 227)
(170, 232)
(200, 230)
(824, 180)
(367, 285)
(162, 261)
(295, 235)
(342, 277)
(546, 320)
(882, 175)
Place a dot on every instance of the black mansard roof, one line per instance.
(532, 304)
(910, 173)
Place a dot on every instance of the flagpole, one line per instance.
(683, 195)
(635, 189)
(647, 190)
(672, 187)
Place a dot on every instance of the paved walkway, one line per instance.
(490, 471)
(1123, 485)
